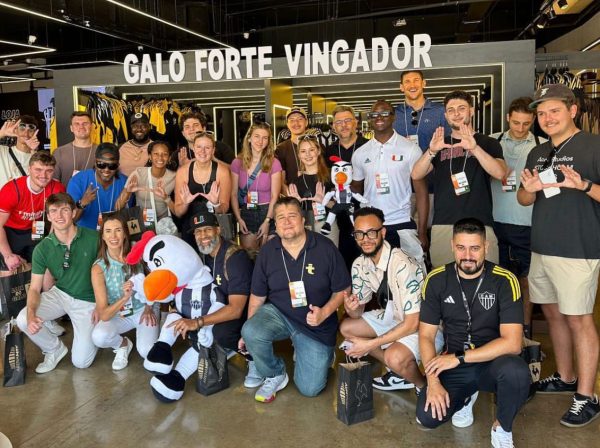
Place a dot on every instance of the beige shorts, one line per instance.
(570, 282)
(440, 248)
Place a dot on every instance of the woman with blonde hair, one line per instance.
(256, 178)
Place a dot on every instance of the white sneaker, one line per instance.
(51, 360)
(270, 387)
(501, 438)
(54, 328)
(122, 355)
(464, 417)
(253, 378)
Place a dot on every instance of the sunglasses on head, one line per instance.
(67, 259)
(105, 165)
(414, 114)
(376, 115)
(205, 133)
(307, 137)
(28, 126)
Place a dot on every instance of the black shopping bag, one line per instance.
(355, 392)
(14, 358)
(531, 353)
(134, 218)
(14, 286)
(213, 375)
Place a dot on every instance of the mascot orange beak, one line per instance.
(159, 285)
(341, 178)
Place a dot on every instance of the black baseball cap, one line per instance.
(203, 219)
(139, 116)
(107, 149)
(552, 92)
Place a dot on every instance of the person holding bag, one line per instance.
(256, 183)
(119, 308)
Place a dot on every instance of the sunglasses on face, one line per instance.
(414, 114)
(28, 126)
(359, 235)
(67, 259)
(104, 165)
(376, 115)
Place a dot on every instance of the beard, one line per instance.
(375, 250)
(207, 249)
(477, 267)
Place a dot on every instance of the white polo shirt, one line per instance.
(394, 159)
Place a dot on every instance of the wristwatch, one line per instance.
(460, 355)
(589, 185)
(79, 205)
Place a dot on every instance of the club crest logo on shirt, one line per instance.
(310, 268)
(487, 299)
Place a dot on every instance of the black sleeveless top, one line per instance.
(199, 203)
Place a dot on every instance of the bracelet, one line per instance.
(200, 321)
(267, 219)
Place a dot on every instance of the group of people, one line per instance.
(502, 222)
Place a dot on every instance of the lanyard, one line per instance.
(452, 156)
(286, 269)
(557, 149)
(418, 122)
(31, 197)
(466, 302)
(86, 162)
(112, 194)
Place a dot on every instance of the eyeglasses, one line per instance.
(376, 115)
(344, 121)
(414, 114)
(359, 235)
(307, 137)
(67, 259)
(28, 126)
(104, 165)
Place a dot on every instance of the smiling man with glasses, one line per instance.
(100, 189)
(344, 124)
(14, 160)
(68, 253)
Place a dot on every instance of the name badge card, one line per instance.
(126, 309)
(549, 177)
(149, 216)
(37, 230)
(509, 183)
(382, 183)
(99, 223)
(298, 294)
(252, 199)
(319, 211)
(460, 183)
(414, 138)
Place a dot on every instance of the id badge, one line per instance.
(382, 182)
(549, 177)
(414, 138)
(99, 223)
(210, 207)
(460, 183)
(252, 199)
(319, 211)
(37, 230)
(149, 216)
(127, 309)
(298, 294)
(509, 183)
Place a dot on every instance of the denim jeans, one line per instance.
(313, 358)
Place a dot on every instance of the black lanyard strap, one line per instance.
(468, 307)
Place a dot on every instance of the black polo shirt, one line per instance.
(239, 271)
(498, 301)
(336, 149)
(324, 274)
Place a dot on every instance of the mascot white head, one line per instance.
(341, 173)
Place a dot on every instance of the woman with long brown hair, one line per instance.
(256, 183)
(118, 307)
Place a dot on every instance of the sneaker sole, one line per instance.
(395, 387)
(566, 392)
(571, 425)
(254, 385)
(281, 387)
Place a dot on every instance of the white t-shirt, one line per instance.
(8, 168)
(374, 162)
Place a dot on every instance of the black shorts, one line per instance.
(20, 243)
(514, 247)
(254, 217)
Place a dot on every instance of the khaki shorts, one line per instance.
(440, 248)
(570, 282)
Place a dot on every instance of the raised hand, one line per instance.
(572, 179)
(186, 195)
(531, 181)
(183, 156)
(293, 192)
(9, 128)
(437, 141)
(213, 195)
(159, 190)
(33, 142)
(467, 141)
(89, 195)
(132, 184)
(319, 193)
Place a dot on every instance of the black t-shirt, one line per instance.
(239, 271)
(498, 301)
(307, 186)
(287, 154)
(477, 203)
(336, 149)
(568, 224)
(324, 274)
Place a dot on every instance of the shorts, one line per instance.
(514, 247)
(440, 248)
(374, 320)
(20, 243)
(570, 282)
(254, 217)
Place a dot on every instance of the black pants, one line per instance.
(507, 376)
(228, 334)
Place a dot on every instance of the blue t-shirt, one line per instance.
(429, 118)
(114, 277)
(325, 273)
(105, 198)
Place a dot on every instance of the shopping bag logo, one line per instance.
(360, 393)
(134, 226)
(14, 359)
(203, 369)
(343, 392)
(19, 292)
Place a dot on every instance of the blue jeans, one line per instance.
(312, 357)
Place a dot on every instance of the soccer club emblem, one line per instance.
(487, 299)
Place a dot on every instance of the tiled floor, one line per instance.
(97, 407)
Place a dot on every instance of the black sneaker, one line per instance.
(583, 410)
(391, 381)
(554, 385)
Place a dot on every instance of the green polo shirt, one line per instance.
(76, 280)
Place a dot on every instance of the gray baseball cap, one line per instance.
(552, 92)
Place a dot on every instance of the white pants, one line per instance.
(108, 334)
(54, 304)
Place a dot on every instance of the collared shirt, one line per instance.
(394, 159)
(429, 118)
(74, 280)
(239, 272)
(323, 273)
(338, 150)
(105, 198)
(506, 208)
(405, 278)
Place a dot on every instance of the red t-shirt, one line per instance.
(24, 206)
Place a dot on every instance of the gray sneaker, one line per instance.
(270, 387)
(51, 360)
(253, 378)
